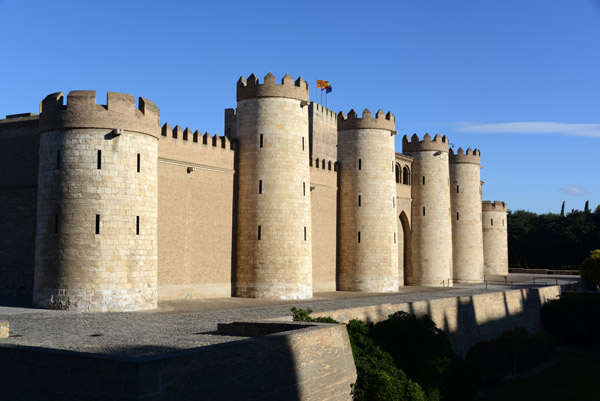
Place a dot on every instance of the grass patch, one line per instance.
(573, 377)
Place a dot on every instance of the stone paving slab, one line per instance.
(180, 325)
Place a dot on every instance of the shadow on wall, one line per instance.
(308, 363)
(467, 319)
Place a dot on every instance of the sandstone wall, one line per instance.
(368, 227)
(323, 132)
(274, 245)
(466, 319)
(96, 242)
(465, 197)
(495, 237)
(431, 225)
(323, 198)
(19, 141)
(195, 215)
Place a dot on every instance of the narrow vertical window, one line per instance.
(139, 162)
(393, 165)
(359, 201)
(137, 225)
(394, 238)
(56, 224)
(260, 186)
(304, 188)
(359, 164)
(58, 159)
(259, 233)
(97, 224)
(502, 222)
(457, 216)
(423, 180)
(492, 222)
(302, 143)
(457, 189)
(99, 159)
(359, 237)
(423, 210)
(261, 140)
(304, 233)
(394, 202)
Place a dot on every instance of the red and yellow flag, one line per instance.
(322, 84)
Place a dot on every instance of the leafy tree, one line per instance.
(562, 210)
(590, 270)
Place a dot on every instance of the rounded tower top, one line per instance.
(81, 111)
(493, 206)
(381, 121)
(250, 88)
(439, 143)
(470, 156)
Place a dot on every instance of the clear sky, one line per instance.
(519, 80)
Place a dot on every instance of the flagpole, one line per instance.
(325, 99)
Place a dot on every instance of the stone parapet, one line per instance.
(352, 122)
(251, 89)
(493, 206)
(81, 111)
(439, 143)
(470, 156)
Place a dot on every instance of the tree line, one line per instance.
(551, 240)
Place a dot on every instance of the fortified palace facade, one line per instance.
(105, 210)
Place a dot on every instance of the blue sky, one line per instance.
(520, 80)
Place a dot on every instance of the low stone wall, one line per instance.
(298, 362)
(466, 319)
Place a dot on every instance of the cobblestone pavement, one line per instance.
(178, 325)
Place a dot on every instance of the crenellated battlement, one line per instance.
(439, 143)
(196, 137)
(470, 156)
(493, 206)
(326, 114)
(81, 111)
(323, 164)
(250, 88)
(381, 121)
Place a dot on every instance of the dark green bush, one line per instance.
(524, 350)
(424, 352)
(574, 319)
(378, 379)
(590, 270)
(490, 360)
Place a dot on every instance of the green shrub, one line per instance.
(574, 319)
(424, 352)
(524, 350)
(378, 379)
(590, 270)
(490, 360)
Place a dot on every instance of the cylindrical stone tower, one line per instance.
(274, 258)
(495, 237)
(465, 197)
(368, 237)
(96, 244)
(431, 226)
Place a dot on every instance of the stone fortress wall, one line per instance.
(285, 164)
(367, 208)
(495, 237)
(465, 199)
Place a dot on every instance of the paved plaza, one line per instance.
(180, 325)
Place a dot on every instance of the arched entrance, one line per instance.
(404, 248)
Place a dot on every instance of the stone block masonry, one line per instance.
(97, 205)
(4, 329)
(274, 251)
(102, 210)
